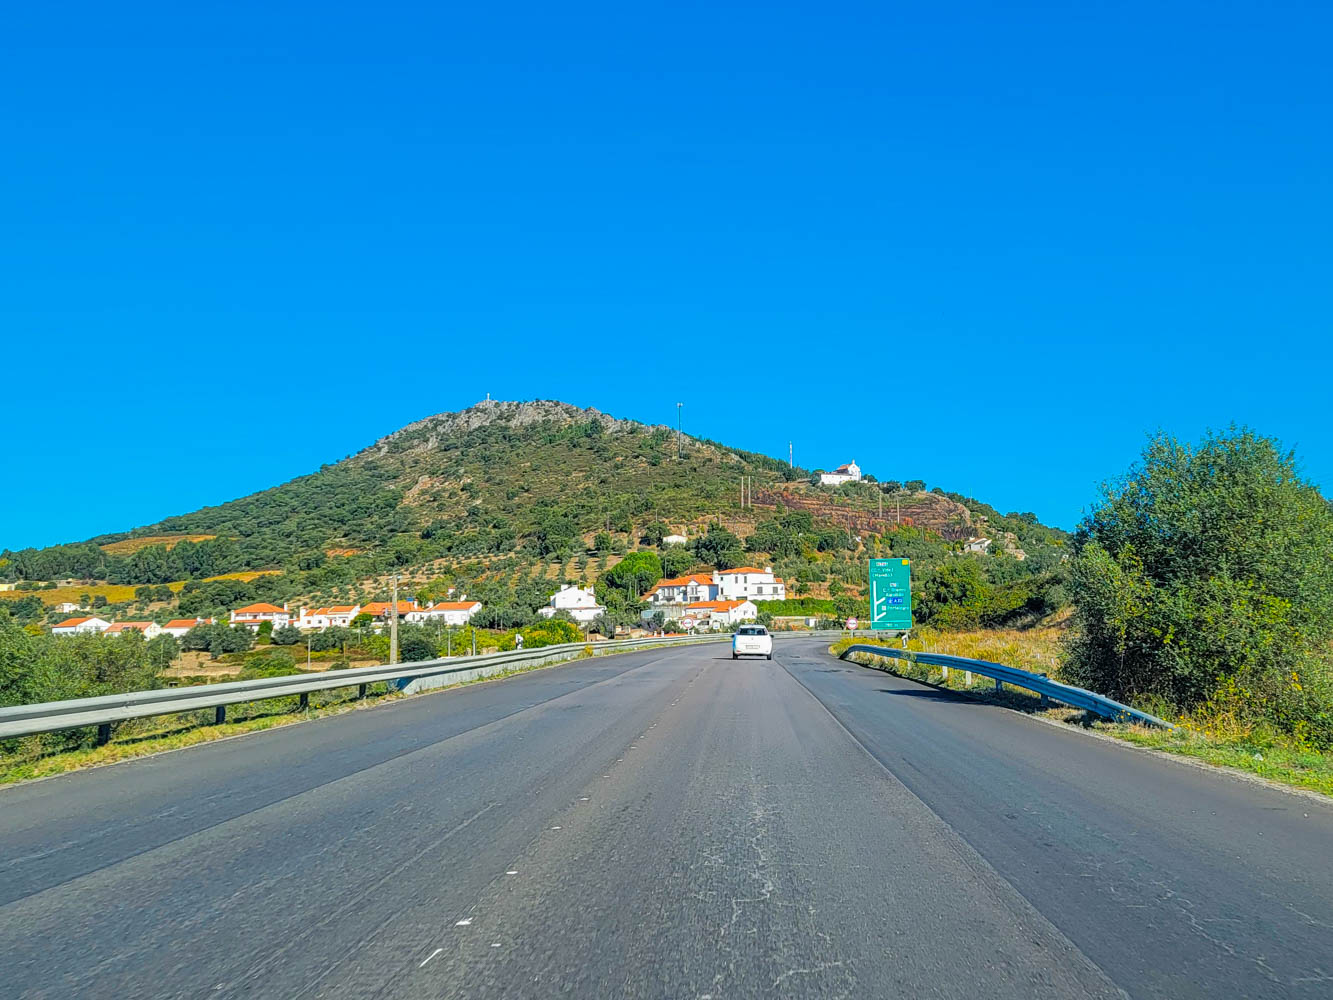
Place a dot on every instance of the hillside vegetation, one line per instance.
(508, 499)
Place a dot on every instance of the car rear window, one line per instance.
(752, 630)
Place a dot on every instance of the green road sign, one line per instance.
(891, 593)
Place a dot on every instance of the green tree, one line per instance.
(634, 574)
(676, 560)
(288, 635)
(1208, 566)
(719, 548)
(602, 542)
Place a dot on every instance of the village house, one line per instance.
(718, 614)
(149, 630)
(674, 540)
(253, 615)
(67, 607)
(80, 626)
(446, 613)
(179, 626)
(336, 615)
(849, 473)
(750, 583)
(381, 611)
(581, 604)
(682, 590)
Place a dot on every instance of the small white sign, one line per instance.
(851, 623)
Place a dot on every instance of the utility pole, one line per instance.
(307, 652)
(791, 462)
(393, 622)
(678, 445)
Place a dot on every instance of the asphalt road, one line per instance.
(668, 824)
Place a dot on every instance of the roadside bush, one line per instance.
(1203, 576)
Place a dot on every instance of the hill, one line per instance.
(509, 493)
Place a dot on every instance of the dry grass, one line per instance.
(115, 593)
(245, 577)
(128, 546)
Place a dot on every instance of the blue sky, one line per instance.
(991, 246)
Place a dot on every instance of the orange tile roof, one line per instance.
(336, 609)
(715, 605)
(258, 609)
(682, 581)
(71, 622)
(741, 569)
(377, 608)
(122, 626)
(455, 605)
(182, 623)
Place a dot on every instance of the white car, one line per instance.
(751, 640)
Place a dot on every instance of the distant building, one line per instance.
(718, 614)
(849, 473)
(381, 611)
(581, 604)
(67, 607)
(682, 590)
(79, 626)
(977, 545)
(750, 583)
(149, 630)
(253, 615)
(179, 626)
(337, 615)
(446, 613)
(674, 540)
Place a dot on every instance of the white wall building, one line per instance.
(750, 583)
(446, 612)
(849, 473)
(581, 604)
(179, 626)
(79, 626)
(253, 615)
(339, 615)
(721, 613)
(682, 590)
(67, 607)
(149, 630)
(674, 540)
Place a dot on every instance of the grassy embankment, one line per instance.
(1215, 737)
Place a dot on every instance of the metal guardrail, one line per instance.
(1065, 694)
(103, 711)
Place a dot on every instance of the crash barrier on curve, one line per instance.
(1049, 690)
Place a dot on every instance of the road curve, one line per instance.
(666, 824)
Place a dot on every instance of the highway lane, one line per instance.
(665, 824)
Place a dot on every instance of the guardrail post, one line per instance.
(1045, 702)
(220, 715)
(104, 734)
(999, 684)
(967, 678)
(945, 671)
(305, 701)
(361, 690)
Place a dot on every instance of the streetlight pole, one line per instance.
(393, 624)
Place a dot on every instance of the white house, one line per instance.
(253, 615)
(179, 626)
(682, 590)
(446, 613)
(67, 607)
(149, 630)
(581, 604)
(339, 615)
(750, 583)
(977, 545)
(78, 626)
(849, 473)
(721, 613)
(674, 540)
(381, 611)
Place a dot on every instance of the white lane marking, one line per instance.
(583, 798)
(430, 956)
(464, 922)
(555, 828)
(512, 871)
(496, 945)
